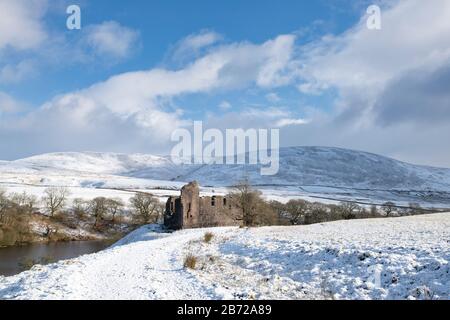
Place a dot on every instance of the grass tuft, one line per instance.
(190, 262)
(208, 237)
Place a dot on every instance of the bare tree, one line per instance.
(98, 209)
(114, 207)
(4, 203)
(388, 208)
(349, 210)
(284, 217)
(318, 212)
(23, 203)
(147, 207)
(415, 208)
(373, 211)
(30, 203)
(80, 207)
(55, 199)
(297, 210)
(249, 201)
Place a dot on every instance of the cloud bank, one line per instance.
(389, 90)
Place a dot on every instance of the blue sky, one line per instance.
(139, 69)
(162, 24)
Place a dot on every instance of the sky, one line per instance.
(137, 70)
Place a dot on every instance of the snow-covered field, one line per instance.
(395, 258)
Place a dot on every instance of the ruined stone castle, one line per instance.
(189, 210)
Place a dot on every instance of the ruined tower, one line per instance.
(183, 211)
(189, 210)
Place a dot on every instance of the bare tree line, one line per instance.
(17, 210)
(257, 211)
(105, 213)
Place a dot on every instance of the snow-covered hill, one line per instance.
(313, 173)
(299, 166)
(394, 258)
(319, 166)
(94, 162)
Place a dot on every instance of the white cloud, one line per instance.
(111, 39)
(28, 45)
(361, 63)
(273, 97)
(385, 82)
(13, 73)
(203, 39)
(192, 44)
(193, 47)
(126, 110)
(270, 113)
(21, 26)
(390, 84)
(9, 105)
(137, 93)
(254, 117)
(276, 71)
(225, 105)
(313, 88)
(290, 122)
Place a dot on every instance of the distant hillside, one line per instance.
(299, 166)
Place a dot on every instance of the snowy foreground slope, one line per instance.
(396, 258)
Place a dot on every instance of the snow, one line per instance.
(395, 258)
(107, 163)
(310, 173)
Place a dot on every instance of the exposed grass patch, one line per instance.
(190, 262)
(208, 237)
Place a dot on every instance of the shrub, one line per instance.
(16, 229)
(208, 237)
(296, 211)
(8, 237)
(80, 208)
(66, 218)
(349, 210)
(4, 204)
(147, 207)
(317, 213)
(23, 203)
(415, 208)
(190, 261)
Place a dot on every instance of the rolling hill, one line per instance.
(299, 166)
